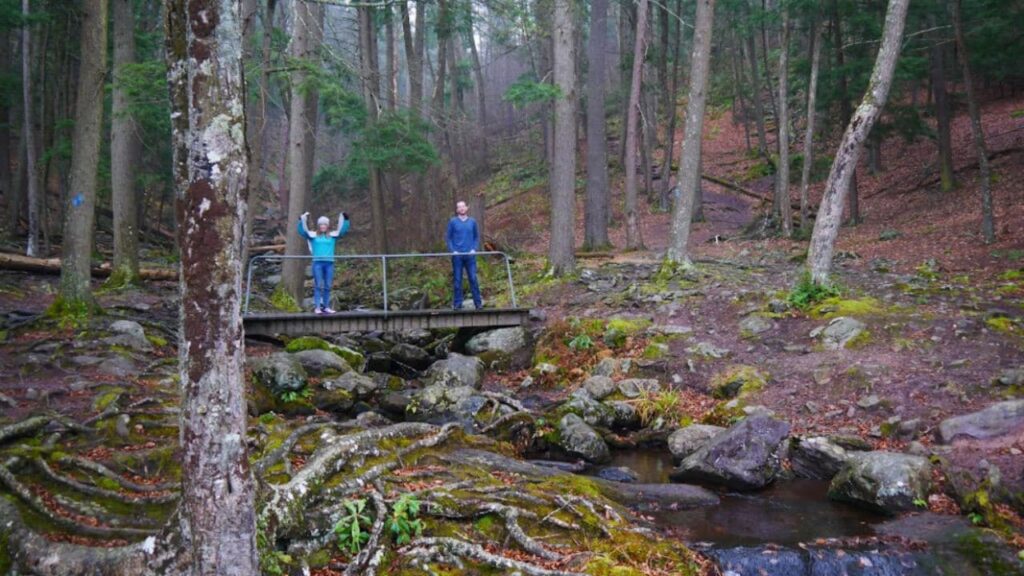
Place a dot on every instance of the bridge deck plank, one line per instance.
(283, 323)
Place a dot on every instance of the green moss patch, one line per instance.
(283, 301)
(857, 307)
(739, 380)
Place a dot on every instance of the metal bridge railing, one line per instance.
(384, 268)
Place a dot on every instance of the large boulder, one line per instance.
(887, 482)
(816, 457)
(359, 386)
(440, 404)
(838, 333)
(322, 363)
(498, 347)
(755, 324)
(129, 334)
(412, 356)
(579, 439)
(456, 370)
(689, 439)
(279, 373)
(625, 416)
(996, 420)
(636, 387)
(354, 358)
(744, 457)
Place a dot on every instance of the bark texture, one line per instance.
(826, 227)
(125, 150)
(80, 212)
(812, 99)
(943, 115)
(632, 117)
(563, 168)
(29, 134)
(595, 224)
(371, 96)
(302, 119)
(689, 162)
(782, 174)
(217, 510)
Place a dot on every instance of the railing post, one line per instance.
(511, 286)
(384, 275)
(248, 283)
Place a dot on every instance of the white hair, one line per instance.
(323, 221)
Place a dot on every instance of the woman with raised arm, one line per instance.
(321, 247)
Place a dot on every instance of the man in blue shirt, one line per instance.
(321, 246)
(463, 238)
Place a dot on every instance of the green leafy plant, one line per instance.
(404, 523)
(296, 395)
(351, 531)
(581, 342)
(526, 90)
(664, 404)
(976, 518)
(807, 292)
(920, 502)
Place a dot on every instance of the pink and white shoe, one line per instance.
(329, 310)
(318, 310)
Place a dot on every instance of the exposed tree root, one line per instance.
(279, 453)
(450, 550)
(524, 417)
(96, 467)
(92, 490)
(504, 399)
(23, 427)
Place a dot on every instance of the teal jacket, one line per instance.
(321, 246)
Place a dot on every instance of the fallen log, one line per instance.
(10, 261)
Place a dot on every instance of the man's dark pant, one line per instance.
(465, 262)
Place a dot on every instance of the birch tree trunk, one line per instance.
(689, 162)
(826, 227)
(218, 493)
(812, 99)
(782, 174)
(125, 152)
(632, 115)
(29, 134)
(302, 124)
(988, 227)
(80, 215)
(563, 168)
(596, 201)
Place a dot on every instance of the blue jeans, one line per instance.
(465, 262)
(323, 277)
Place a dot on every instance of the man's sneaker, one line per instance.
(329, 310)
(318, 310)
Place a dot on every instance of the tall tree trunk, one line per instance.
(414, 47)
(738, 87)
(632, 115)
(812, 96)
(302, 124)
(673, 113)
(826, 227)
(125, 152)
(988, 227)
(755, 77)
(943, 118)
(845, 103)
(6, 134)
(563, 168)
(390, 67)
(28, 118)
(596, 201)
(75, 295)
(689, 162)
(371, 83)
(481, 94)
(206, 83)
(782, 181)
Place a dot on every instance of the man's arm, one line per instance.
(448, 236)
(476, 237)
(303, 229)
(343, 226)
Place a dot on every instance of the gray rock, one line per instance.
(708, 350)
(121, 425)
(754, 324)
(395, 402)
(839, 332)
(617, 474)
(456, 370)
(687, 440)
(778, 306)
(337, 400)
(579, 439)
(607, 367)
(996, 420)
(635, 387)
(599, 387)
(869, 402)
(744, 457)
(591, 411)
(671, 329)
(86, 360)
(279, 373)
(119, 367)
(359, 386)
(816, 457)
(886, 482)
(625, 416)
(129, 334)
(1013, 377)
(664, 496)
(322, 362)
(410, 355)
(439, 404)
(505, 341)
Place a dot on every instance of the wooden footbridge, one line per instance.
(272, 324)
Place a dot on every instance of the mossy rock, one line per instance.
(857, 307)
(354, 358)
(738, 381)
(618, 330)
(726, 414)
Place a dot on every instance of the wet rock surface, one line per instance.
(886, 482)
(744, 457)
